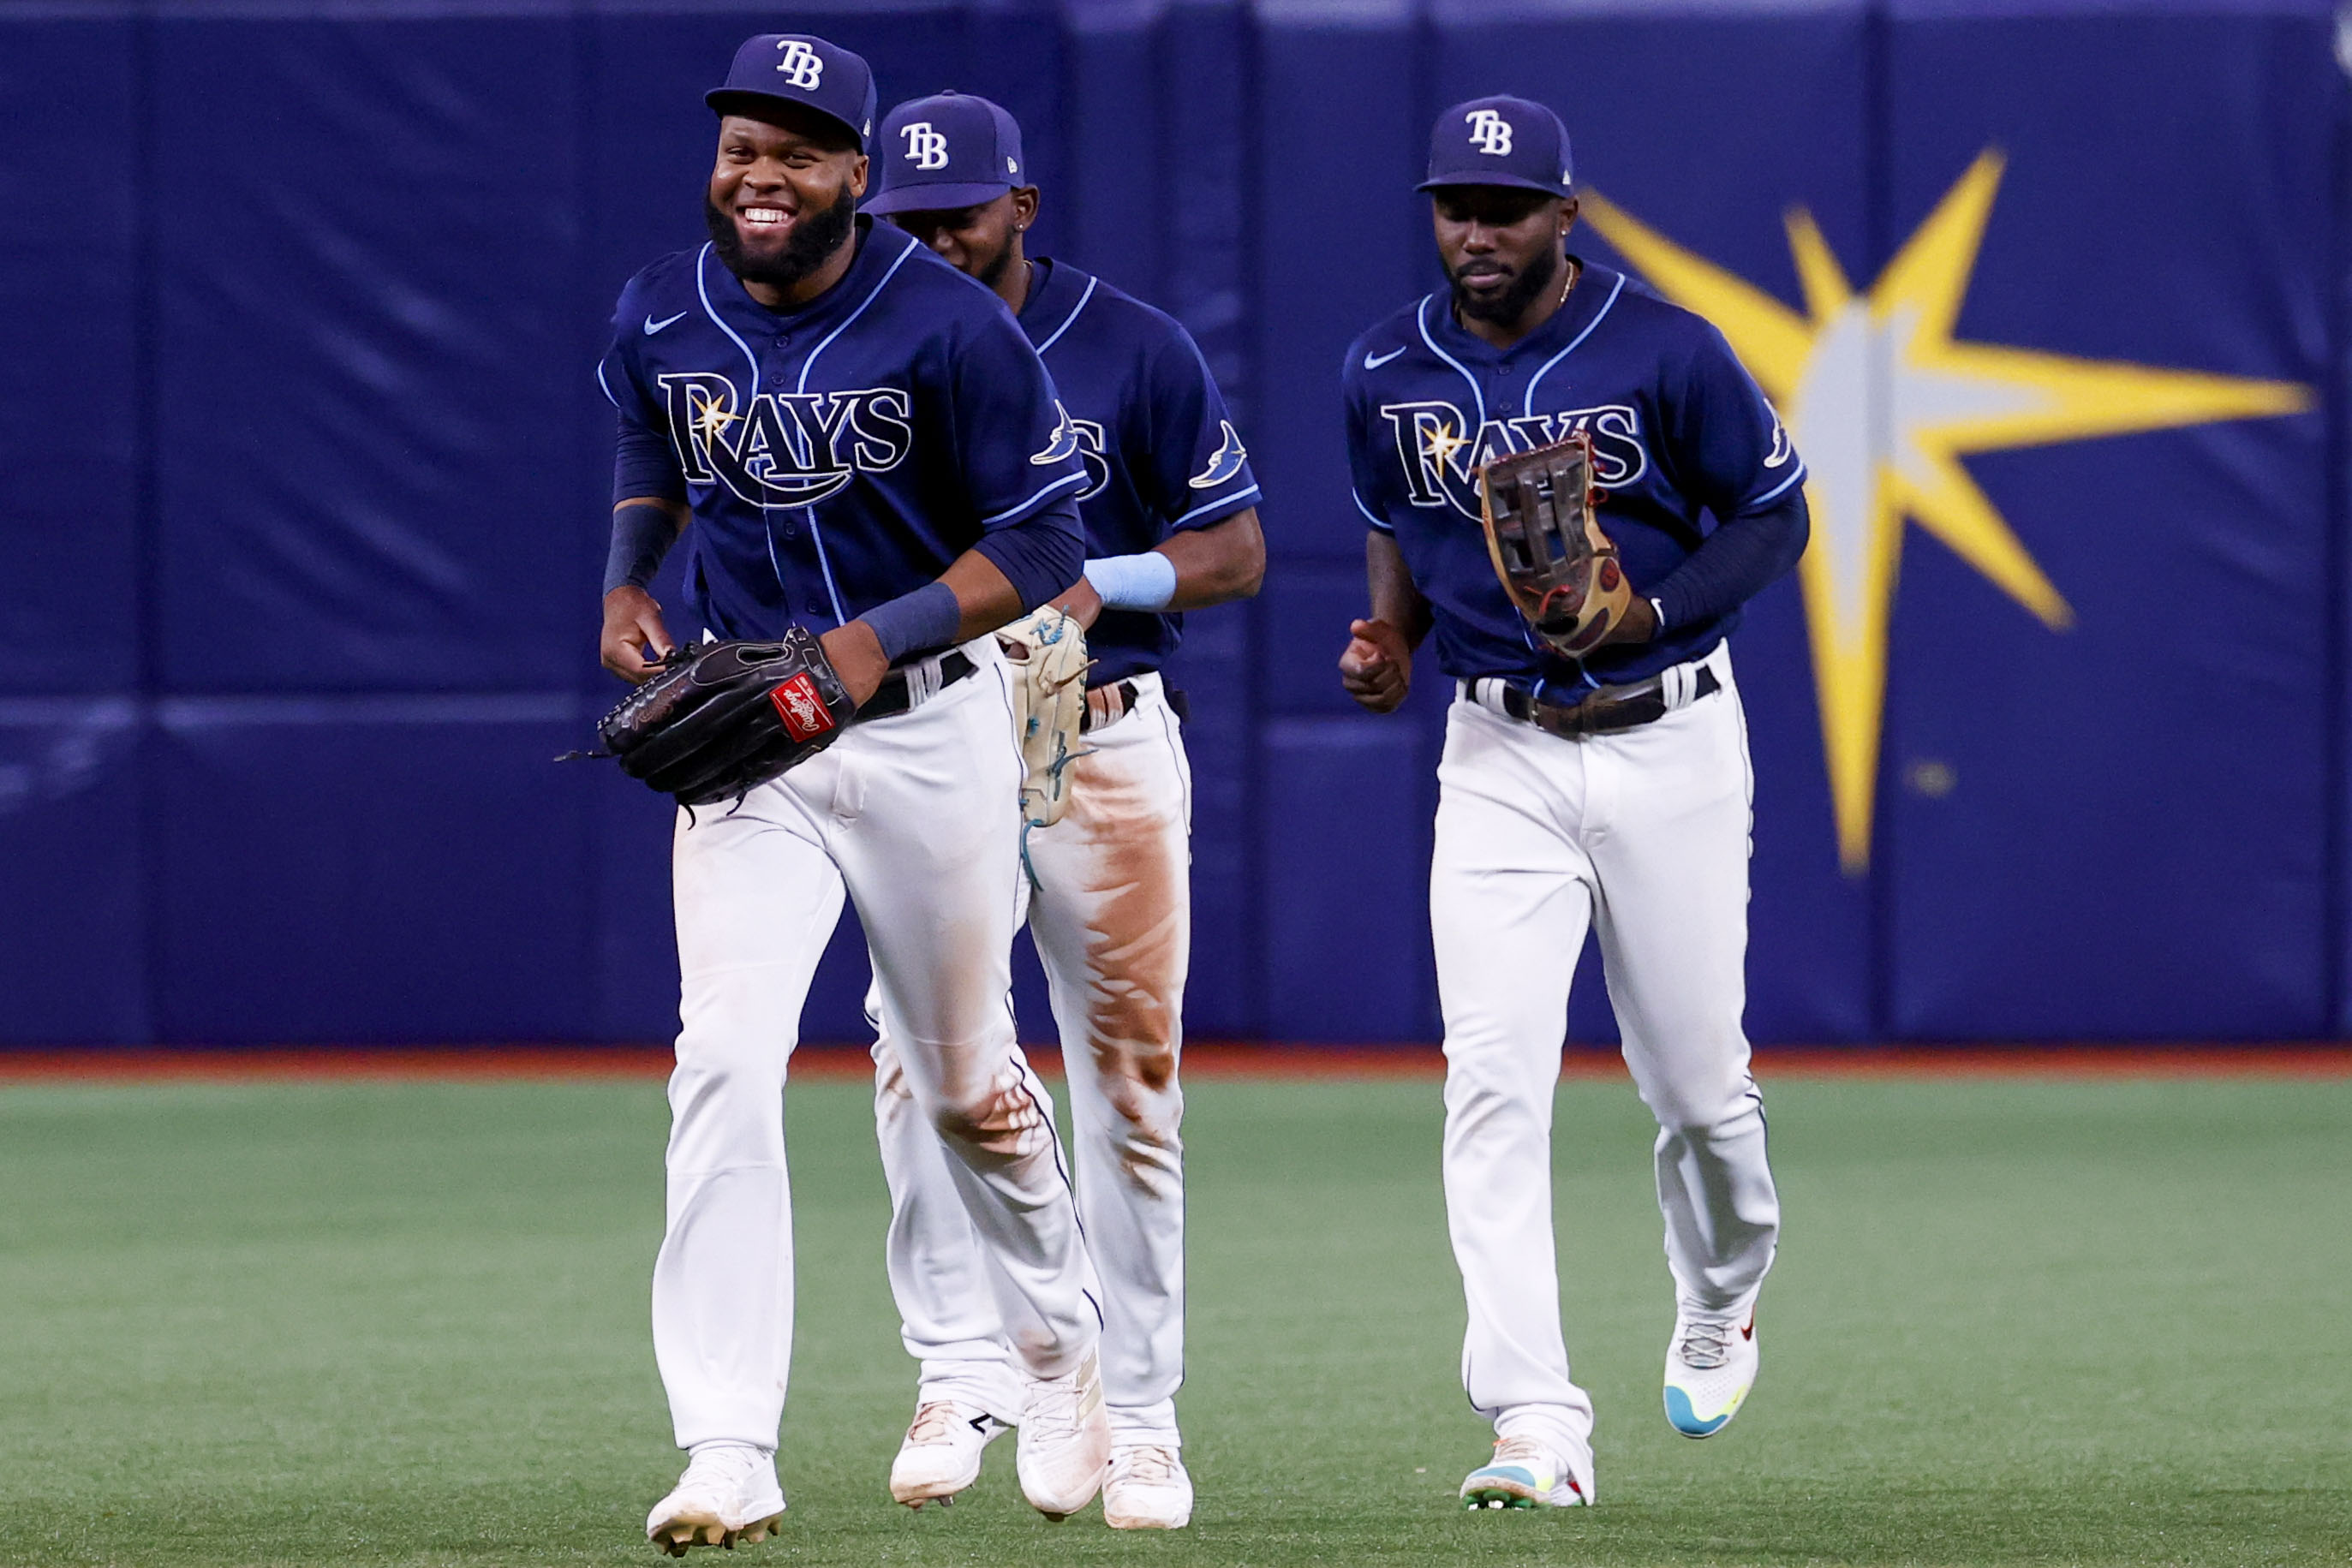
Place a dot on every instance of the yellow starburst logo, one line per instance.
(710, 420)
(1884, 404)
(1441, 442)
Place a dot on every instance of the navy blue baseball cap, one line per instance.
(1500, 140)
(793, 67)
(946, 151)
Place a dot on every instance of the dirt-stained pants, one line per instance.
(1111, 913)
(914, 818)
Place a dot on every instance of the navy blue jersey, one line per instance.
(1160, 452)
(1681, 439)
(841, 454)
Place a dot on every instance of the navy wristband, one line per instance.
(915, 622)
(641, 536)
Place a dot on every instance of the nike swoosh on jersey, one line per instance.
(1374, 361)
(652, 325)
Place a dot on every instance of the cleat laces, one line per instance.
(1150, 1465)
(1706, 1343)
(1528, 1451)
(933, 1423)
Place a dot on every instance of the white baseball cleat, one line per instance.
(942, 1452)
(1527, 1473)
(1710, 1366)
(1148, 1488)
(1065, 1447)
(728, 1495)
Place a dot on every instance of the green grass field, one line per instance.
(2013, 1321)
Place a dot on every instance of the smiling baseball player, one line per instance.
(1595, 772)
(854, 439)
(1171, 525)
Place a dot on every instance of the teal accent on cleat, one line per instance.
(1524, 1474)
(1684, 1419)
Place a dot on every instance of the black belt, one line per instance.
(1106, 705)
(892, 698)
(1606, 712)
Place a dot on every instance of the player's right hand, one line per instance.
(1376, 667)
(635, 640)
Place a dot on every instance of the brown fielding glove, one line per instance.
(723, 718)
(1559, 568)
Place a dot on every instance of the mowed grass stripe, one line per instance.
(2014, 1321)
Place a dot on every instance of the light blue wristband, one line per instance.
(1145, 582)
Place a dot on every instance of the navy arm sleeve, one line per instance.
(643, 466)
(1736, 562)
(1732, 455)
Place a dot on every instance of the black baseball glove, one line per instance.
(723, 718)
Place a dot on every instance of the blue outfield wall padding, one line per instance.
(73, 901)
(380, 871)
(1347, 860)
(2059, 880)
(1334, 250)
(368, 432)
(69, 169)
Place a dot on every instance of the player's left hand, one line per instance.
(634, 642)
(1639, 625)
(857, 657)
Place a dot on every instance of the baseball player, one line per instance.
(1170, 525)
(852, 436)
(1609, 792)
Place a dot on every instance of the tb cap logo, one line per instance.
(1489, 133)
(801, 66)
(926, 147)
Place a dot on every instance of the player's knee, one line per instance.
(1002, 1121)
(1704, 1111)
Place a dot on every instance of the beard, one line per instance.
(993, 268)
(1506, 308)
(808, 246)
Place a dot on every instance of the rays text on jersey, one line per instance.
(787, 448)
(1440, 450)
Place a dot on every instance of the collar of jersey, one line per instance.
(1596, 286)
(879, 246)
(1054, 293)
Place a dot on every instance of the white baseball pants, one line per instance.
(914, 817)
(1111, 913)
(1643, 836)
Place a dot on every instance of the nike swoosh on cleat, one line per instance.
(1374, 361)
(652, 325)
(1749, 1330)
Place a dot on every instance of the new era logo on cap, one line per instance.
(945, 152)
(1500, 140)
